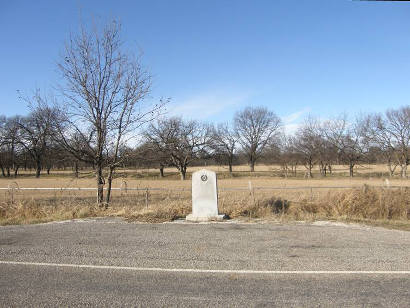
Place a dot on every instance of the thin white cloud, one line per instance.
(204, 106)
(295, 116)
(292, 121)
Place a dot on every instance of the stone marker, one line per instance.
(204, 197)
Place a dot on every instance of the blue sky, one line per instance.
(215, 57)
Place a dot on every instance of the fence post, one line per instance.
(11, 187)
(146, 198)
(124, 187)
(12, 195)
(252, 193)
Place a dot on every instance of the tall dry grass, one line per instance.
(365, 203)
(27, 212)
(370, 205)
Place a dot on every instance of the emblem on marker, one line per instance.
(204, 177)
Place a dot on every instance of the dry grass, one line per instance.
(387, 207)
(29, 212)
(380, 206)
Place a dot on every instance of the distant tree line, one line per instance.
(256, 135)
(100, 109)
(37, 142)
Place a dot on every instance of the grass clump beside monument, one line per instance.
(386, 207)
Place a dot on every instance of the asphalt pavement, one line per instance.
(110, 262)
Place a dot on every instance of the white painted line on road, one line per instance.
(193, 270)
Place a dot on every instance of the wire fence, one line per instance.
(149, 195)
(189, 189)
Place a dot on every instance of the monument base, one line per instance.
(192, 218)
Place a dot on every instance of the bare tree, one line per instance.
(377, 135)
(397, 126)
(182, 141)
(4, 157)
(36, 131)
(391, 133)
(104, 89)
(255, 126)
(10, 148)
(347, 138)
(12, 135)
(281, 151)
(224, 143)
(151, 155)
(326, 154)
(307, 143)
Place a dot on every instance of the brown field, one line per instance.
(379, 170)
(264, 175)
(271, 197)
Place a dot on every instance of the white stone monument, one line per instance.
(204, 197)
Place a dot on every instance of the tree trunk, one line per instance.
(230, 168)
(8, 171)
(2, 171)
(100, 184)
(309, 168)
(38, 168)
(404, 171)
(284, 170)
(252, 165)
(351, 170)
(391, 169)
(16, 171)
(76, 173)
(182, 171)
(48, 170)
(161, 171)
(108, 197)
(310, 172)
